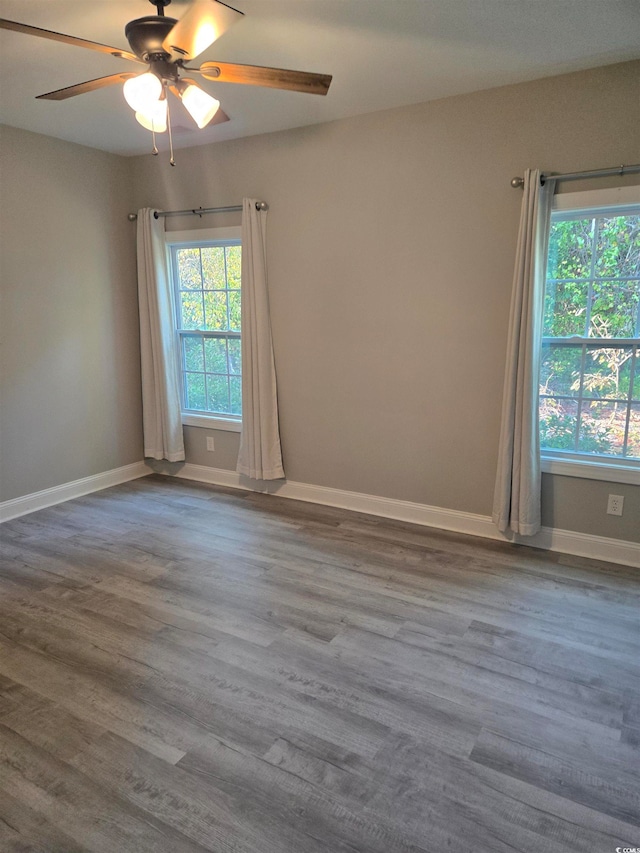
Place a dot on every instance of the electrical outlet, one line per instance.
(615, 505)
(210, 444)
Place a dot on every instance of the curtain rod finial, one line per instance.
(262, 205)
(132, 217)
(517, 183)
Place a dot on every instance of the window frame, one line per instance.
(201, 237)
(587, 466)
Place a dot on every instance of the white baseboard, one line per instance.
(67, 491)
(215, 476)
(550, 539)
(583, 545)
(564, 541)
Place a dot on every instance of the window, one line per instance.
(205, 269)
(590, 364)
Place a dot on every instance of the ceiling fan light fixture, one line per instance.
(163, 44)
(143, 92)
(154, 119)
(200, 105)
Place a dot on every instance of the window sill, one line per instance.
(211, 422)
(591, 470)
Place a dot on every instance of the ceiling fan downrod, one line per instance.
(160, 4)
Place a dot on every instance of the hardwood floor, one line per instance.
(184, 668)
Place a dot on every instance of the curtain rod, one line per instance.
(260, 205)
(518, 183)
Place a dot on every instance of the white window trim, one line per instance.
(591, 469)
(597, 198)
(212, 422)
(597, 468)
(195, 237)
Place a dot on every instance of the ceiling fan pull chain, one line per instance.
(154, 150)
(171, 160)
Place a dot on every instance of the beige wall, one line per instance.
(70, 403)
(391, 247)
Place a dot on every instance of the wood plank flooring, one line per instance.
(188, 669)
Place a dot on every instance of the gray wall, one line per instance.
(391, 248)
(391, 243)
(70, 365)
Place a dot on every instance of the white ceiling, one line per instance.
(382, 53)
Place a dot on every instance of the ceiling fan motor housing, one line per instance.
(146, 35)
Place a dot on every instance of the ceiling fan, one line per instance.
(165, 45)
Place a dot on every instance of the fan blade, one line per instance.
(274, 78)
(203, 23)
(49, 34)
(220, 115)
(81, 88)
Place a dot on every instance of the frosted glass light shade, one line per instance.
(154, 119)
(201, 106)
(142, 92)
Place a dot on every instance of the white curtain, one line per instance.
(162, 424)
(516, 504)
(260, 455)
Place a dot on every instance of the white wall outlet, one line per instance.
(615, 504)
(211, 446)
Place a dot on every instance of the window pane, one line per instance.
(216, 355)
(213, 267)
(635, 395)
(218, 391)
(593, 289)
(558, 421)
(607, 372)
(560, 370)
(235, 388)
(234, 254)
(565, 309)
(618, 250)
(234, 311)
(235, 357)
(633, 440)
(215, 302)
(614, 311)
(602, 428)
(194, 391)
(570, 248)
(191, 310)
(189, 268)
(208, 299)
(193, 356)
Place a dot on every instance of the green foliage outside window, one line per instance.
(590, 389)
(208, 294)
